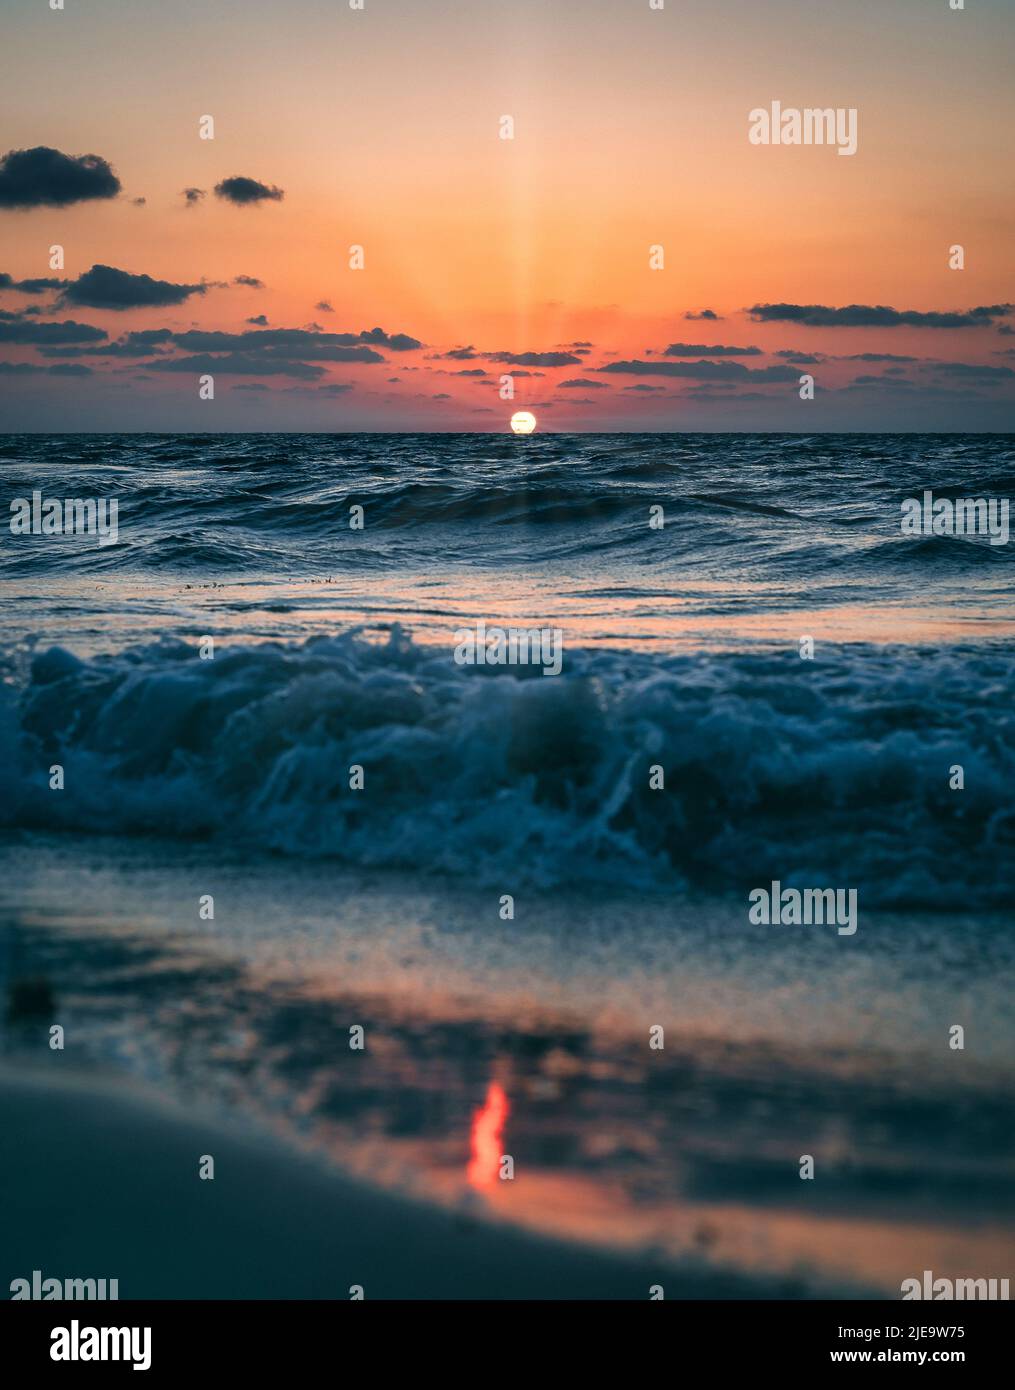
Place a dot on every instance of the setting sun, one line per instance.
(523, 422)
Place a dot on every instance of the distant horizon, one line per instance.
(506, 434)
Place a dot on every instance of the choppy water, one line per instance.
(681, 652)
(253, 532)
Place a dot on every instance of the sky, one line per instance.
(630, 259)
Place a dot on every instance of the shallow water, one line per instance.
(540, 1029)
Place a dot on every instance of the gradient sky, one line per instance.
(631, 124)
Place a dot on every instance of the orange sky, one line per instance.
(631, 130)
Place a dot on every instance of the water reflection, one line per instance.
(487, 1138)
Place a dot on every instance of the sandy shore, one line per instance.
(100, 1182)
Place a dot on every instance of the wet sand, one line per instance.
(99, 1181)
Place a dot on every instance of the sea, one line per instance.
(251, 801)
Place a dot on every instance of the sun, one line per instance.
(523, 422)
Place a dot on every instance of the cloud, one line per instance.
(579, 382)
(32, 369)
(7, 282)
(459, 354)
(972, 371)
(324, 306)
(240, 364)
(470, 371)
(709, 314)
(702, 371)
(146, 342)
(535, 359)
(280, 343)
(243, 192)
(251, 281)
(17, 328)
(642, 386)
(397, 342)
(877, 357)
(717, 350)
(104, 287)
(876, 316)
(259, 320)
(43, 177)
(802, 359)
(192, 196)
(902, 383)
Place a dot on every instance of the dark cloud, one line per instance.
(242, 191)
(18, 328)
(251, 281)
(535, 359)
(397, 342)
(104, 287)
(139, 202)
(470, 371)
(32, 369)
(973, 371)
(877, 357)
(802, 359)
(717, 350)
(259, 320)
(192, 196)
(579, 382)
(146, 342)
(324, 306)
(708, 314)
(335, 388)
(876, 316)
(240, 364)
(641, 386)
(249, 386)
(702, 371)
(43, 177)
(280, 343)
(7, 282)
(461, 354)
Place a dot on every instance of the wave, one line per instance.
(825, 773)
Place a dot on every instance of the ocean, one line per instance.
(531, 893)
